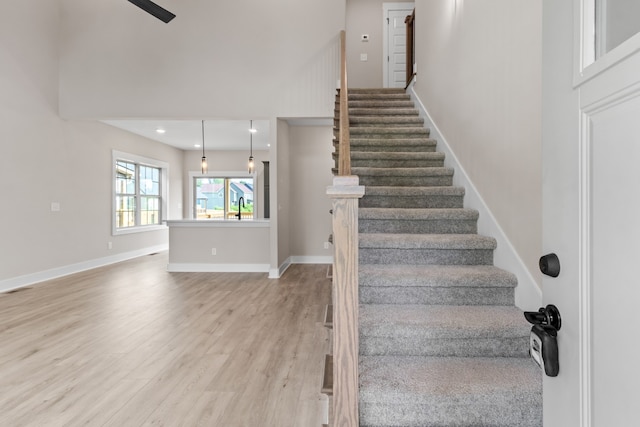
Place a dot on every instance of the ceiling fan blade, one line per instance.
(158, 11)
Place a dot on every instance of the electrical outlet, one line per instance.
(213, 251)
(109, 245)
(326, 245)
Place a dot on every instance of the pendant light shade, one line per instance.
(251, 162)
(204, 159)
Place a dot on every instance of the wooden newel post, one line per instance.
(345, 193)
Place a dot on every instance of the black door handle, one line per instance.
(543, 343)
(545, 316)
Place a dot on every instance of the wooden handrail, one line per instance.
(344, 149)
(410, 21)
(345, 193)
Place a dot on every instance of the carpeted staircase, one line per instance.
(441, 342)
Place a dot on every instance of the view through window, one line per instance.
(138, 197)
(219, 197)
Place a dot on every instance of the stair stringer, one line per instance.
(528, 294)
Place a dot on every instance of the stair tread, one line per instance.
(424, 214)
(434, 391)
(442, 321)
(378, 275)
(426, 241)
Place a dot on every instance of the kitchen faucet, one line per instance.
(239, 214)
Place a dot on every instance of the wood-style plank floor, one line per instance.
(133, 345)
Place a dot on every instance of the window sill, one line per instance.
(138, 229)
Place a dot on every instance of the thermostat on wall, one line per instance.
(365, 38)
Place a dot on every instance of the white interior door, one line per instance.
(591, 212)
(395, 46)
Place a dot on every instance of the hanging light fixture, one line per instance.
(251, 132)
(204, 159)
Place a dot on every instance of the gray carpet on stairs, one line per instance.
(441, 342)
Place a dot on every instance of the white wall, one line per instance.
(280, 208)
(479, 77)
(311, 163)
(233, 59)
(364, 17)
(44, 159)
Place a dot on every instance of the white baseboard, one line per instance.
(54, 273)
(528, 294)
(276, 273)
(189, 267)
(311, 259)
(298, 259)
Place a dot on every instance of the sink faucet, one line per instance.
(239, 214)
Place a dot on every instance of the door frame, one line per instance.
(586, 67)
(386, 8)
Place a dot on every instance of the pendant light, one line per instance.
(251, 132)
(204, 159)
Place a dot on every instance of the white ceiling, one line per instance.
(185, 134)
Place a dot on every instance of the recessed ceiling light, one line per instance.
(160, 130)
(196, 145)
(252, 130)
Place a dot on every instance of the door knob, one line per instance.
(550, 265)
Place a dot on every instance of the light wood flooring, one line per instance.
(133, 345)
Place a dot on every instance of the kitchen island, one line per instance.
(219, 245)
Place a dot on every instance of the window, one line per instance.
(217, 197)
(139, 193)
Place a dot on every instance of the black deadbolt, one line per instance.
(550, 265)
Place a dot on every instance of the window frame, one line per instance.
(120, 156)
(222, 175)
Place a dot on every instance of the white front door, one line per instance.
(395, 43)
(591, 209)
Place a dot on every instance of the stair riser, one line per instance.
(466, 347)
(384, 112)
(436, 295)
(356, 121)
(386, 133)
(442, 226)
(426, 256)
(411, 202)
(529, 414)
(381, 103)
(382, 121)
(394, 181)
(410, 163)
(354, 126)
(379, 97)
(418, 147)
